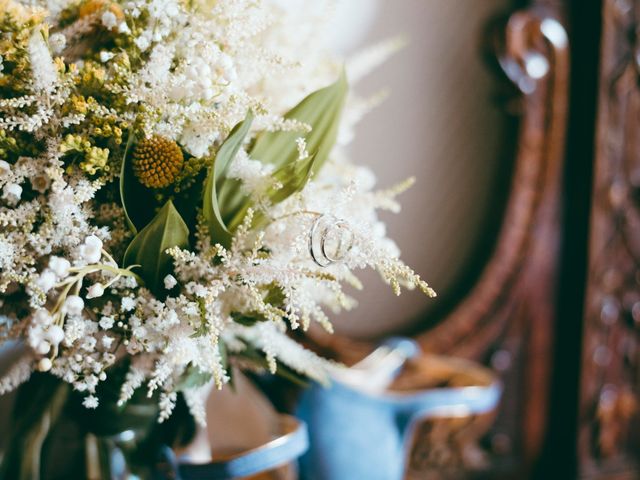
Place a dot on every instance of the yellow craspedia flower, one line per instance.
(157, 161)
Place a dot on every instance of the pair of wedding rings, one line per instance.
(330, 240)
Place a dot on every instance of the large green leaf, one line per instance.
(320, 110)
(148, 248)
(211, 207)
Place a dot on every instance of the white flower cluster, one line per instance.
(202, 66)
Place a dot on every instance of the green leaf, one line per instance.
(124, 183)
(292, 177)
(148, 248)
(211, 208)
(135, 198)
(321, 110)
(193, 377)
(248, 320)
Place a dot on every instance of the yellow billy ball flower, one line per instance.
(157, 161)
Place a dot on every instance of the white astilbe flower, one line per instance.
(195, 398)
(45, 75)
(255, 176)
(365, 61)
(133, 380)
(166, 403)
(278, 346)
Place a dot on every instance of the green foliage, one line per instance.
(148, 248)
(292, 178)
(275, 295)
(193, 377)
(248, 319)
(132, 193)
(210, 206)
(321, 111)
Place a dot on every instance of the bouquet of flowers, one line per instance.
(175, 198)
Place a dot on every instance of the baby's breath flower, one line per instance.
(57, 42)
(43, 347)
(106, 323)
(106, 56)
(5, 168)
(128, 304)
(109, 20)
(90, 402)
(55, 334)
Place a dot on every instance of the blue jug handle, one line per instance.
(447, 402)
(407, 346)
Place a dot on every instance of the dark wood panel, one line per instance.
(608, 424)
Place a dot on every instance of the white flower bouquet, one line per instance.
(175, 197)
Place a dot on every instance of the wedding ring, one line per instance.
(330, 240)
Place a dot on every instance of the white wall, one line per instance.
(441, 125)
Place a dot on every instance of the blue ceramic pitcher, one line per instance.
(356, 432)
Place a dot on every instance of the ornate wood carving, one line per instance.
(506, 319)
(608, 436)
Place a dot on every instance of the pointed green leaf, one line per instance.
(321, 110)
(293, 177)
(211, 206)
(148, 248)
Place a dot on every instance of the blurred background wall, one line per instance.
(443, 125)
